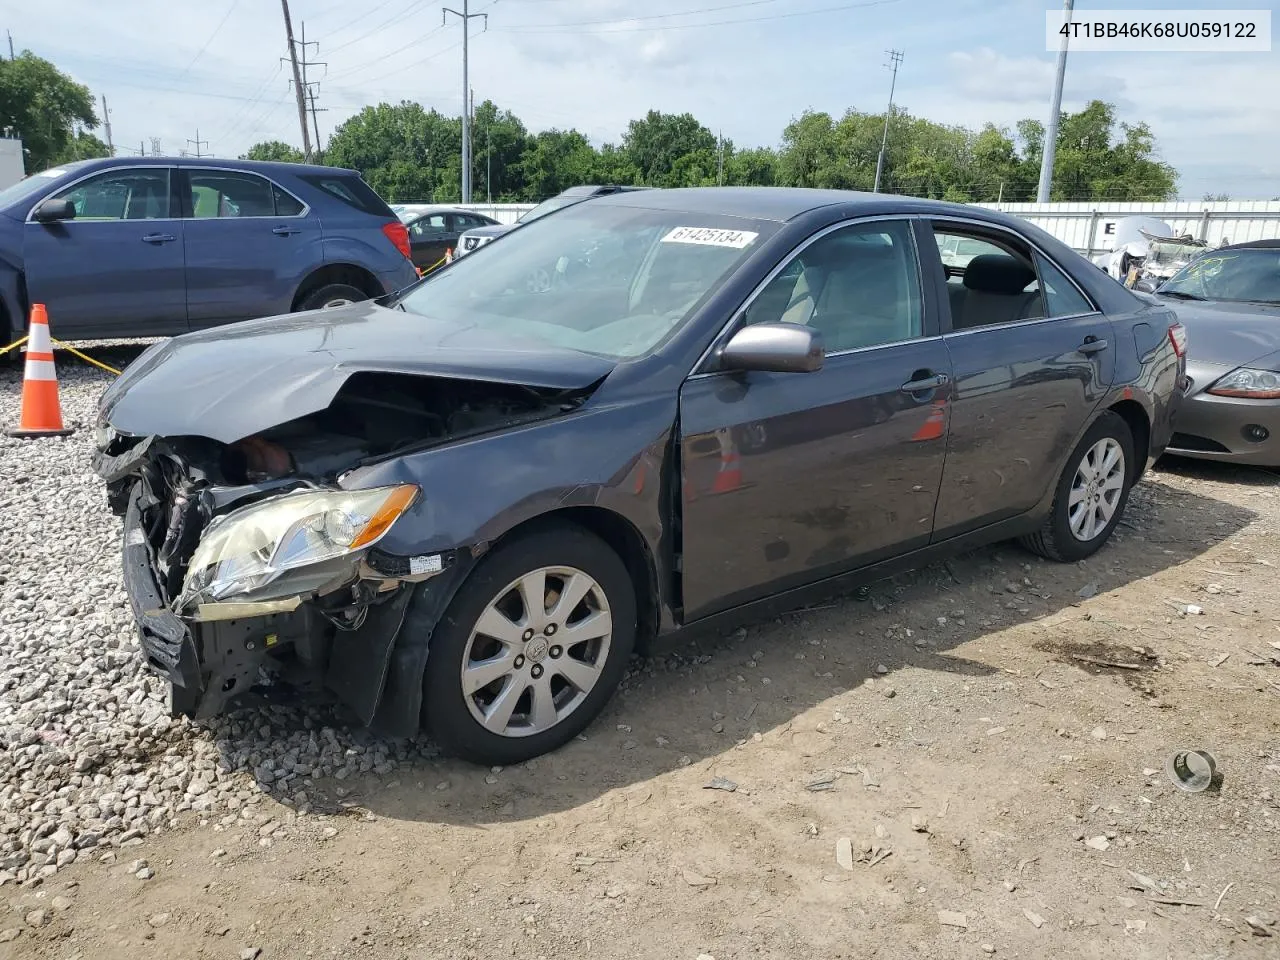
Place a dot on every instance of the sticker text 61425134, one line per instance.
(711, 237)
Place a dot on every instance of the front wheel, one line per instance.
(531, 648)
(1091, 493)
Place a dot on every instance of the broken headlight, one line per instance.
(292, 544)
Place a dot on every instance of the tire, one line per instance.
(454, 717)
(330, 295)
(1056, 539)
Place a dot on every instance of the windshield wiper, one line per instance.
(1180, 295)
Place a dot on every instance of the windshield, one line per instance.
(1249, 274)
(30, 186)
(546, 206)
(610, 280)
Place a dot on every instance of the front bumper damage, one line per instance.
(348, 645)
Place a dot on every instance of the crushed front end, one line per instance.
(238, 586)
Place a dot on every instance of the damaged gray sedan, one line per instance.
(462, 507)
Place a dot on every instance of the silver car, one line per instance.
(1229, 301)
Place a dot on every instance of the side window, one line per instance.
(859, 286)
(219, 194)
(1060, 294)
(131, 194)
(991, 279)
(287, 205)
(427, 227)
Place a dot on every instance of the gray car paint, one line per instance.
(622, 458)
(269, 371)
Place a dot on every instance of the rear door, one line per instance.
(792, 477)
(117, 268)
(1032, 357)
(248, 245)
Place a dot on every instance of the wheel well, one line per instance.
(626, 541)
(1132, 413)
(357, 277)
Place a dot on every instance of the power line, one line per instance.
(198, 142)
(895, 58)
(466, 18)
(556, 28)
(311, 87)
(216, 30)
(298, 89)
(416, 4)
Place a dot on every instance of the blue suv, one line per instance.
(147, 246)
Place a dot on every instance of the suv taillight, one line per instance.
(1178, 337)
(398, 234)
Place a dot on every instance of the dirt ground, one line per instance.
(998, 788)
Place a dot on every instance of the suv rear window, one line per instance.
(352, 191)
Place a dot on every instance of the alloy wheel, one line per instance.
(537, 651)
(1096, 490)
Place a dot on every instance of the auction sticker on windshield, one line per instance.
(711, 237)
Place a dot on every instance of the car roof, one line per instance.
(1251, 245)
(262, 166)
(786, 203)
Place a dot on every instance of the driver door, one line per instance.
(117, 267)
(789, 478)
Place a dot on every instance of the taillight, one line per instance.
(1178, 337)
(398, 234)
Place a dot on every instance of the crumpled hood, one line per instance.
(231, 382)
(1227, 333)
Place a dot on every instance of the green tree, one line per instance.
(276, 150)
(554, 160)
(403, 151)
(670, 150)
(48, 110)
(499, 144)
(82, 146)
(755, 167)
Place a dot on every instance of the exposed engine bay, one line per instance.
(180, 495)
(379, 414)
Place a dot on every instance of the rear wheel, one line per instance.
(531, 648)
(332, 295)
(1091, 493)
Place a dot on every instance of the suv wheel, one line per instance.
(1091, 493)
(332, 295)
(531, 648)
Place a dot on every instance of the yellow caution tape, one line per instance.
(85, 357)
(13, 346)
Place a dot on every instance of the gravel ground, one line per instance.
(93, 759)
(962, 761)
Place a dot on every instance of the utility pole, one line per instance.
(155, 146)
(197, 141)
(895, 58)
(309, 86)
(719, 158)
(1055, 112)
(298, 90)
(488, 163)
(11, 56)
(466, 16)
(106, 124)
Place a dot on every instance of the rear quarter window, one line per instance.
(352, 191)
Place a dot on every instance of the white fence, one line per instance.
(1090, 227)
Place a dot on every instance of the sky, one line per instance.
(179, 70)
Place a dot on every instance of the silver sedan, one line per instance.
(1229, 301)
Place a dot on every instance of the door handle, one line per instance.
(926, 383)
(285, 231)
(1091, 346)
(158, 238)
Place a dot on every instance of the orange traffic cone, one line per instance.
(41, 413)
(729, 476)
(934, 427)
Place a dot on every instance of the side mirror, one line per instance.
(775, 348)
(1145, 285)
(51, 211)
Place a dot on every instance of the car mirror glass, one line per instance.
(50, 211)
